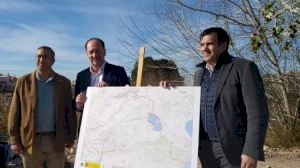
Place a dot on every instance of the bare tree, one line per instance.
(266, 32)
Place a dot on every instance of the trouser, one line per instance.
(43, 153)
(211, 155)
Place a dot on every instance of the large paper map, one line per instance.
(139, 127)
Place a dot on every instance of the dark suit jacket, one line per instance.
(113, 76)
(240, 108)
(22, 113)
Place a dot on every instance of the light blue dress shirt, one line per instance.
(45, 114)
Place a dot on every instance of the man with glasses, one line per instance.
(41, 122)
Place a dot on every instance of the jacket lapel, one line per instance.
(57, 97)
(85, 80)
(226, 65)
(32, 93)
(198, 77)
(107, 73)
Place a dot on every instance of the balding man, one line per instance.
(100, 73)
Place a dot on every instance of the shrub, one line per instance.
(5, 99)
(277, 136)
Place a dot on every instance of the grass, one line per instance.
(5, 99)
(283, 138)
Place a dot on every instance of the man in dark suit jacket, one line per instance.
(234, 111)
(41, 121)
(100, 73)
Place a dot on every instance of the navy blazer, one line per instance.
(240, 108)
(113, 76)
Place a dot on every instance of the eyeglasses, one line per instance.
(44, 56)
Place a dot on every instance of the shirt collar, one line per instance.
(39, 79)
(100, 71)
(210, 68)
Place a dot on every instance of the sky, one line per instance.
(64, 25)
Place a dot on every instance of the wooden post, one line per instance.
(140, 66)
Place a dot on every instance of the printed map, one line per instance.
(139, 127)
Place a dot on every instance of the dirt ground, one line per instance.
(281, 158)
(275, 158)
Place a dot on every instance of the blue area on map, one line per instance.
(189, 127)
(154, 120)
(187, 165)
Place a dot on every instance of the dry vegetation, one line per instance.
(5, 99)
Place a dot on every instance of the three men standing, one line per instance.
(234, 112)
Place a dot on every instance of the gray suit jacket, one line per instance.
(240, 108)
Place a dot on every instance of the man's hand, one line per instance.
(80, 100)
(166, 84)
(16, 149)
(102, 84)
(69, 144)
(248, 162)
